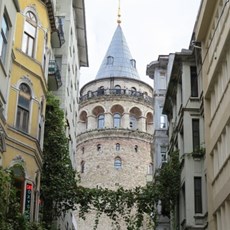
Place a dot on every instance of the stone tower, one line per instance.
(115, 126)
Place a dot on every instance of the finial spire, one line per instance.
(119, 12)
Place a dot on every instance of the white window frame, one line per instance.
(29, 37)
(4, 36)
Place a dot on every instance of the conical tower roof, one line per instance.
(118, 61)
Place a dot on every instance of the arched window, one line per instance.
(29, 35)
(82, 166)
(101, 91)
(89, 94)
(133, 91)
(19, 183)
(136, 148)
(23, 110)
(117, 163)
(132, 122)
(116, 120)
(99, 147)
(101, 121)
(118, 146)
(118, 89)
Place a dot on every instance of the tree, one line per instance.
(10, 215)
(58, 184)
(168, 183)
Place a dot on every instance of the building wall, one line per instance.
(182, 108)
(213, 31)
(157, 70)
(68, 58)
(68, 55)
(8, 10)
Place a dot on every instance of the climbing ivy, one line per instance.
(58, 184)
(168, 183)
(136, 204)
(10, 216)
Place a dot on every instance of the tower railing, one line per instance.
(116, 92)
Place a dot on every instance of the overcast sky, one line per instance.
(151, 28)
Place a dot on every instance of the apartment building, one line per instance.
(212, 33)
(157, 70)
(67, 59)
(184, 108)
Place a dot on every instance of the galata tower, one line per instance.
(115, 127)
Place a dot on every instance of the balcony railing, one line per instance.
(56, 23)
(54, 76)
(57, 36)
(117, 92)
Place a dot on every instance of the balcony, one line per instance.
(117, 93)
(57, 34)
(54, 76)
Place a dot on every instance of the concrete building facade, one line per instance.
(157, 70)
(68, 57)
(212, 33)
(184, 108)
(115, 127)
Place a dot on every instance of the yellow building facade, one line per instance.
(26, 102)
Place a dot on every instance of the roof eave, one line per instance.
(79, 7)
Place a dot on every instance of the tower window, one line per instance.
(82, 166)
(136, 148)
(118, 146)
(110, 60)
(101, 121)
(133, 91)
(117, 163)
(132, 122)
(116, 120)
(89, 94)
(99, 147)
(133, 63)
(101, 91)
(118, 89)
